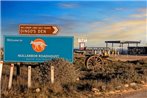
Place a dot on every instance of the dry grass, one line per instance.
(112, 76)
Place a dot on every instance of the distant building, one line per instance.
(123, 45)
(137, 50)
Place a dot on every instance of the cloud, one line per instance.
(144, 10)
(141, 13)
(121, 9)
(68, 5)
(129, 29)
(139, 16)
(133, 27)
(10, 28)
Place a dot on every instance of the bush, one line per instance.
(65, 72)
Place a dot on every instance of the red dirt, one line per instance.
(128, 57)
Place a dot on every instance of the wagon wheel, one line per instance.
(93, 62)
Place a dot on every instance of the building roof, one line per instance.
(124, 42)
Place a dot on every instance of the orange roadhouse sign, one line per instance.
(31, 29)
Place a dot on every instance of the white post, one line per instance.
(52, 74)
(11, 76)
(95, 52)
(29, 76)
(118, 53)
(1, 66)
(108, 52)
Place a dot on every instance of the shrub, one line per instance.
(65, 72)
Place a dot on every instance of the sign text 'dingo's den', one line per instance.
(29, 29)
(37, 48)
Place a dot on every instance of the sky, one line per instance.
(96, 21)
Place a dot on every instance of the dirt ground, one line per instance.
(128, 57)
(141, 93)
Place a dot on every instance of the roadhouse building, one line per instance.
(133, 50)
(137, 50)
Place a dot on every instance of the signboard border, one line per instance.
(4, 36)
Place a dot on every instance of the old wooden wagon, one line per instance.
(94, 56)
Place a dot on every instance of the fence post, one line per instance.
(95, 52)
(1, 67)
(29, 76)
(18, 69)
(11, 76)
(52, 74)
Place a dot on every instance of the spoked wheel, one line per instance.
(94, 62)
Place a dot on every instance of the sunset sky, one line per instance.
(95, 20)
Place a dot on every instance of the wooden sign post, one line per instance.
(18, 69)
(29, 76)
(52, 74)
(11, 76)
(1, 66)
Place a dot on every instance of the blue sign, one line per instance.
(37, 48)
